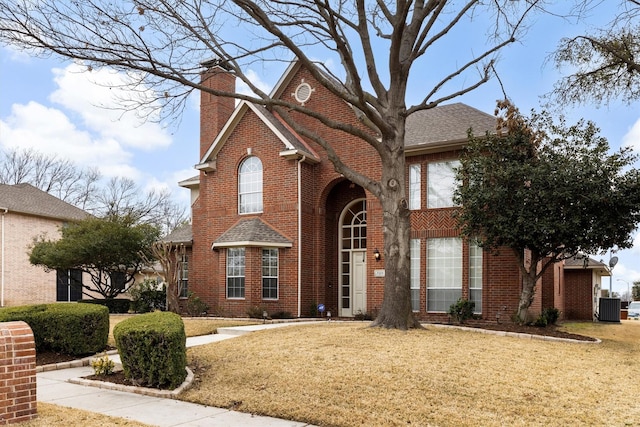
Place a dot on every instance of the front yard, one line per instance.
(345, 374)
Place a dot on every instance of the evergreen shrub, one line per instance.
(118, 306)
(147, 296)
(152, 349)
(462, 310)
(74, 329)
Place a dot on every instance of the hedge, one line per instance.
(74, 329)
(152, 349)
(114, 305)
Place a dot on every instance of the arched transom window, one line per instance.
(250, 186)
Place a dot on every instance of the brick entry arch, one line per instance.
(339, 197)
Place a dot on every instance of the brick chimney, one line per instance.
(214, 110)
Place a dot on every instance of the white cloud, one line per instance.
(50, 131)
(257, 81)
(632, 137)
(96, 97)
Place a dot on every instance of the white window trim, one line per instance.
(475, 280)
(415, 270)
(243, 275)
(277, 276)
(415, 196)
(454, 268)
(181, 276)
(242, 207)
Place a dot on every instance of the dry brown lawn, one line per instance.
(56, 416)
(346, 374)
(194, 326)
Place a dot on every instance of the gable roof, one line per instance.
(445, 125)
(292, 143)
(182, 234)
(27, 199)
(251, 232)
(585, 262)
(432, 130)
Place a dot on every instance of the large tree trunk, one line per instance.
(527, 295)
(396, 311)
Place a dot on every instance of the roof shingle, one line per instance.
(27, 199)
(446, 123)
(182, 234)
(251, 232)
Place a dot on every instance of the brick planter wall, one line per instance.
(17, 373)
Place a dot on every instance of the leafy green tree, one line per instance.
(110, 250)
(547, 191)
(635, 291)
(603, 64)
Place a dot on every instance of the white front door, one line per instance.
(359, 281)
(353, 259)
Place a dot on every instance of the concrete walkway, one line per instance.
(53, 386)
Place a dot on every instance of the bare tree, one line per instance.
(170, 257)
(120, 197)
(603, 64)
(59, 177)
(123, 197)
(160, 43)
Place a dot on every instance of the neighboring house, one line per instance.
(26, 213)
(276, 227)
(578, 293)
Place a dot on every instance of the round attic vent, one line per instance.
(303, 92)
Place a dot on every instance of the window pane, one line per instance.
(441, 183)
(250, 186)
(235, 272)
(414, 186)
(441, 299)
(475, 275)
(270, 274)
(183, 278)
(444, 273)
(415, 274)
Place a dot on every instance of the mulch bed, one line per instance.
(549, 331)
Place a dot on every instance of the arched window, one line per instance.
(250, 186)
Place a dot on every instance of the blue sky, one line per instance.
(51, 106)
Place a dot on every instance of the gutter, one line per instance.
(302, 159)
(2, 256)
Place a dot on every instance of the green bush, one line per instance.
(152, 349)
(114, 305)
(552, 315)
(549, 316)
(256, 312)
(146, 297)
(195, 306)
(462, 310)
(74, 329)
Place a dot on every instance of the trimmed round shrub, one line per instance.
(74, 329)
(152, 349)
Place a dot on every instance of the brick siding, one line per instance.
(23, 282)
(324, 195)
(17, 373)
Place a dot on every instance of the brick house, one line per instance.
(25, 213)
(276, 228)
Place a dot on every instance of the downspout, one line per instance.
(2, 256)
(302, 159)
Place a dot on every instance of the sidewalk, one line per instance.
(53, 386)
